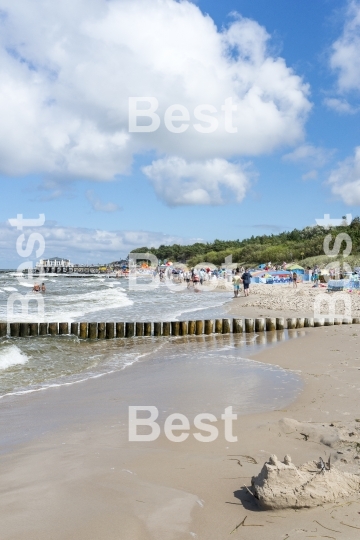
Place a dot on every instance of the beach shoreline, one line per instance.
(85, 481)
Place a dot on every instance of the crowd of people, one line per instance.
(240, 277)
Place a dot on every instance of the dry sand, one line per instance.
(287, 301)
(85, 481)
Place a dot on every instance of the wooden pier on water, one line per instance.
(111, 330)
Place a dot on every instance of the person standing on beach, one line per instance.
(246, 279)
(236, 282)
(294, 279)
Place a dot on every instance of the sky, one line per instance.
(266, 96)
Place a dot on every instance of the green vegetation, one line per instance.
(303, 246)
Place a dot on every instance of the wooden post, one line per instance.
(237, 326)
(175, 328)
(259, 325)
(14, 329)
(226, 328)
(166, 329)
(92, 329)
(147, 329)
(110, 330)
(33, 329)
(308, 322)
(129, 329)
(74, 329)
(3, 329)
(209, 326)
(280, 323)
(24, 329)
(218, 326)
(319, 322)
(53, 328)
(43, 329)
(291, 323)
(300, 322)
(270, 324)
(101, 330)
(191, 328)
(157, 329)
(63, 328)
(183, 328)
(139, 329)
(199, 328)
(120, 330)
(84, 330)
(249, 326)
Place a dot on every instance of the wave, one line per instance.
(68, 307)
(12, 356)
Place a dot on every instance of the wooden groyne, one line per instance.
(111, 330)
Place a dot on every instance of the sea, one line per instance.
(38, 364)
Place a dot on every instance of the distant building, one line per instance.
(55, 264)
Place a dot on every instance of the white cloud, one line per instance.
(83, 244)
(68, 68)
(311, 175)
(345, 180)
(308, 154)
(179, 182)
(341, 106)
(345, 58)
(98, 205)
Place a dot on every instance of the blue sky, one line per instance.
(291, 67)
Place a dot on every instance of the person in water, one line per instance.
(36, 287)
(43, 288)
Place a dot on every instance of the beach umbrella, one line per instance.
(294, 267)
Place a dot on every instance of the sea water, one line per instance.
(37, 364)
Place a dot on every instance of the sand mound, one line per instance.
(283, 485)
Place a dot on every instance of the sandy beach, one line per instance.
(81, 478)
(287, 301)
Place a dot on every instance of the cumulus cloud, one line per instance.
(98, 205)
(179, 182)
(345, 59)
(83, 244)
(311, 155)
(345, 179)
(67, 70)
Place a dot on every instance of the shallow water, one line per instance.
(33, 364)
(181, 375)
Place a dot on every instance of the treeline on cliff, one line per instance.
(296, 245)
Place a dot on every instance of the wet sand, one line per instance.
(83, 480)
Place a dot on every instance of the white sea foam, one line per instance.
(10, 289)
(11, 356)
(68, 307)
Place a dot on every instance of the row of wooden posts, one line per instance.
(110, 330)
